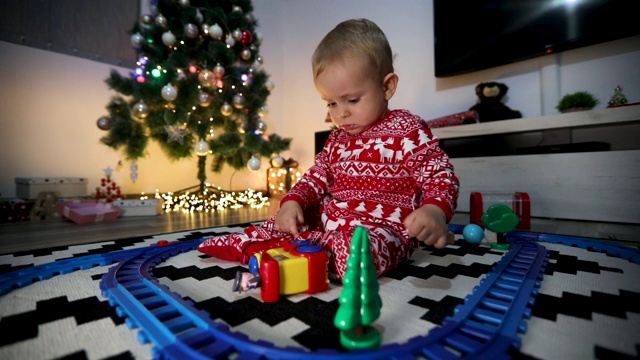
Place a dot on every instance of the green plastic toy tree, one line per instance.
(359, 300)
(500, 219)
(198, 87)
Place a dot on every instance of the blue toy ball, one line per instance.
(473, 233)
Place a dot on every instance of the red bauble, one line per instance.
(247, 37)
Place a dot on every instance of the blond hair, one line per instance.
(361, 39)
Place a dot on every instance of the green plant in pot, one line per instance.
(577, 101)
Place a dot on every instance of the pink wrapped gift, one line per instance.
(82, 212)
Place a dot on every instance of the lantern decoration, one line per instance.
(281, 178)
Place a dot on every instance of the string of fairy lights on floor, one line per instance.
(210, 199)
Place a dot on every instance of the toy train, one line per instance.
(295, 267)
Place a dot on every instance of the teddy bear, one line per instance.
(490, 106)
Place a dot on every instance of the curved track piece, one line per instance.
(488, 322)
(625, 252)
(23, 277)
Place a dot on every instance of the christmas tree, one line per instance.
(198, 87)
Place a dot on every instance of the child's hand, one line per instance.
(289, 217)
(429, 225)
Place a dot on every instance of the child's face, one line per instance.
(356, 101)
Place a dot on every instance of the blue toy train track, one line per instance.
(486, 325)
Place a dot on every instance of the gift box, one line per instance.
(466, 117)
(138, 207)
(30, 187)
(82, 212)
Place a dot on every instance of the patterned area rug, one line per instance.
(588, 305)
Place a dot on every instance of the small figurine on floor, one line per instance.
(500, 219)
(246, 281)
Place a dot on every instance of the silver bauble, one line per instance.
(204, 99)
(238, 101)
(169, 92)
(191, 31)
(277, 161)
(104, 123)
(215, 31)
(254, 163)
(161, 21)
(168, 38)
(226, 109)
(136, 40)
(202, 148)
(140, 109)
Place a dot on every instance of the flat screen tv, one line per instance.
(472, 35)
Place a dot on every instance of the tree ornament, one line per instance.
(199, 16)
(237, 34)
(168, 38)
(146, 19)
(245, 54)
(254, 163)
(104, 123)
(136, 40)
(251, 20)
(270, 85)
(204, 99)
(263, 111)
(262, 127)
(258, 38)
(237, 9)
(238, 101)
(161, 21)
(277, 161)
(226, 109)
(206, 77)
(202, 148)
(247, 37)
(191, 31)
(140, 110)
(218, 71)
(215, 31)
(176, 133)
(169, 92)
(134, 171)
(184, 3)
(230, 41)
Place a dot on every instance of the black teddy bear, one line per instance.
(490, 106)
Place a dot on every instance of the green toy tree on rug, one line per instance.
(198, 87)
(359, 300)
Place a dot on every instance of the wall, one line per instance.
(49, 103)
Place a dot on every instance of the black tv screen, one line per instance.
(472, 35)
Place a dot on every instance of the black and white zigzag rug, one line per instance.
(588, 305)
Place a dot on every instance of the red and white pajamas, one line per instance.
(374, 179)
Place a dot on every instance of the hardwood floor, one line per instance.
(25, 236)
